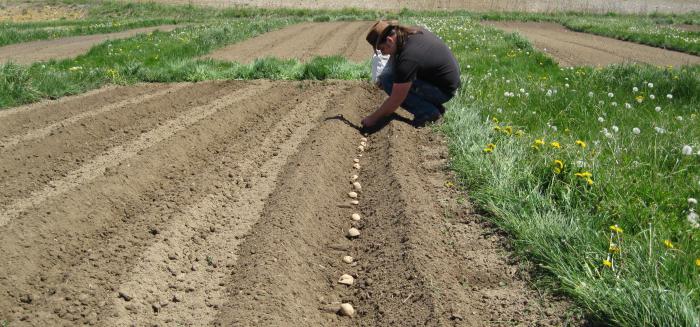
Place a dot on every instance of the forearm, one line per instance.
(388, 107)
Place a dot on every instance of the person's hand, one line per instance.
(369, 121)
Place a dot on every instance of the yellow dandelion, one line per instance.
(555, 145)
(580, 143)
(519, 133)
(614, 248)
(497, 128)
(616, 229)
(539, 142)
(584, 174)
(697, 262)
(607, 263)
(668, 244)
(494, 120)
(589, 181)
(508, 130)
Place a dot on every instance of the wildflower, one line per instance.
(659, 130)
(590, 94)
(614, 248)
(614, 104)
(693, 219)
(697, 262)
(610, 95)
(639, 98)
(607, 263)
(658, 109)
(650, 85)
(687, 150)
(616, 229)
(636, 131)
(558, 166)
(635, 89)
(508, 130)
(628, 106)
(615, 128)
(668, 244)
(651, 96)
(555, 145)
(669, 96)
(580, 143)
(489, 148)
(584, 174)
(537, 143)
(519, 133)
(692, 201)
(679, 118)
(601, 119)
(494, 120)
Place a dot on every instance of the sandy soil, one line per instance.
(225, 203)
(577, 49)
(319, 39)
(596, 6)
(27, 12)
(29, 52)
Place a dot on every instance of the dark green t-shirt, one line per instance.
(425, 57)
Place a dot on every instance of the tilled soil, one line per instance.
(595, 6)
(303, 42)
(225, 203)
(68, 47)
(571, 48)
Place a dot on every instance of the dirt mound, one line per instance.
(303, 41)
(69, 47)
(225, 203)
(582, 49)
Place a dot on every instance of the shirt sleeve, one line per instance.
(406, 71)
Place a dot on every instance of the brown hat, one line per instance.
(376, 31)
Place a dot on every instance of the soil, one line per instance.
(594, 6)
(225, 203)
(582, 49)
(688, 27)
(63, 48)
(303, 41)
(29, 12)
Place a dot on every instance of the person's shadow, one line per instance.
(377, 127)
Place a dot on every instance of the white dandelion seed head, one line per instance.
(658, 109)
(687, 150)
(610, 94)
(628, 106)
(669, 96)
(650, 85)
(601, 119)
(601, 102)
(636, 131)
(522, 90)
(615, 128)
(692, 201)
(590, 94)
(693, 219)
(608, 134)
(651, 96)
(635, 89)
(499, 110)
(554, 128)
(614, 104)
(679, 118)
(659, 130)
(566, 85)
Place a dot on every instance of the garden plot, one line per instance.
(303, 41)
(227, 203)
(69, 47)
(582, 49)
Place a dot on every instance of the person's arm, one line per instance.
(399, 91)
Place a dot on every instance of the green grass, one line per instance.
(640, 182)
(164, 57)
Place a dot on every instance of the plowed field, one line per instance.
(571, 48)
(303, 41)
(69, 47)
(226, 203)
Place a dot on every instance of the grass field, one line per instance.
(594, 172)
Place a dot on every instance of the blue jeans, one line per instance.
(423, 98)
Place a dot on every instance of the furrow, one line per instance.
(11, 141)
(96, 167)
(228, 216)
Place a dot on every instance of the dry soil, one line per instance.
(596, 6)
(578, 49)
(69, 47)
(225, 203)
(303, 41)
